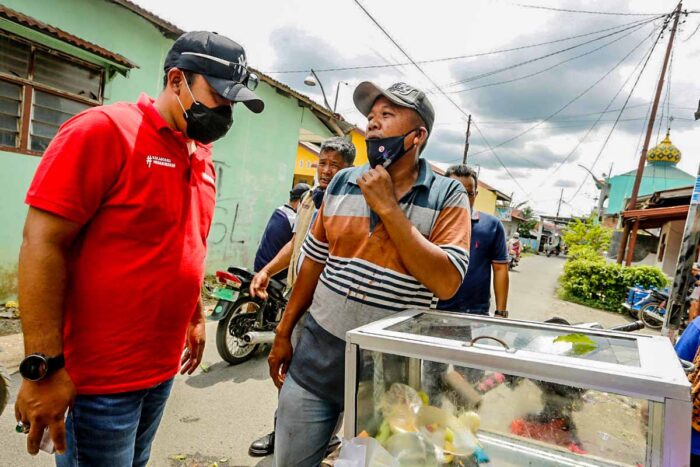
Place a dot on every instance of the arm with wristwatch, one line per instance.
(47, 390)
(500, 288)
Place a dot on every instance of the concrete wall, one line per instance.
(485, 201)
(255, 162)
(673, 233)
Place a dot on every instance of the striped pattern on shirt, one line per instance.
(362, 264)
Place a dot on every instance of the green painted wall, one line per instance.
(656, 177)
(255, 162)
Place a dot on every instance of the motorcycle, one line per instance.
(513, 261)
(245, 322)
(650, 305)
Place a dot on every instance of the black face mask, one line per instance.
(386, 151)
(205, 124)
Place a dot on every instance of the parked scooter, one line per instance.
(245, 322)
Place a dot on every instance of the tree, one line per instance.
(587, 233)
(530, 222)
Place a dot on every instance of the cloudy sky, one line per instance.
(544, 109)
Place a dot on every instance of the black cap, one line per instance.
(298, 191)
(401, 94)
(221, 61)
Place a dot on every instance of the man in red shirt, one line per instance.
(113, 257)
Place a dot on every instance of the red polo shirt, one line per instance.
(145, 204)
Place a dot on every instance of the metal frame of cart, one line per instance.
(659, 378)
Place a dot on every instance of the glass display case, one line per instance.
(437, 388)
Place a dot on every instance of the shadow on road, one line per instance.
(255, 368)
(265, 462)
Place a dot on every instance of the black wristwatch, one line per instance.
(38, 366)
(501, 313)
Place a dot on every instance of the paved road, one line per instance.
(212, 417)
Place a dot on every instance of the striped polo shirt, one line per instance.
(364, 278)
(363, 266)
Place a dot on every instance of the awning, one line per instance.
(656, 217)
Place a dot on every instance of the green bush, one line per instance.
(591, 281)
(577, 252)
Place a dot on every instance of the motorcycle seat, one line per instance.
(661, 293)
(242, 273)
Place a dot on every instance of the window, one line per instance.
(39, 90)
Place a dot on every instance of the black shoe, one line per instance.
(262, 447)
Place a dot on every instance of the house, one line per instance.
(57, 60)
(662, 215)
(308, 150)
(660, 173)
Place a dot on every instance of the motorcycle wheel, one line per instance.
(650, 321)
(232, 349)
(4, 389)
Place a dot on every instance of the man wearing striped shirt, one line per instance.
(389, 236)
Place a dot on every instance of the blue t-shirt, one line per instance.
(488, 245)
(278, 233)
(686, 348)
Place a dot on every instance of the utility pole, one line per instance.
(466, 142)
(633, 224)
(561, 196)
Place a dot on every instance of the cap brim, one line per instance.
(236, 92)
(366, 93)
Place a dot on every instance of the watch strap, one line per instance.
(55, 363)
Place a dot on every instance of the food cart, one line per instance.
(437, 388)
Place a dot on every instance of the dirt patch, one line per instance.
(10, 326)
(198, 460)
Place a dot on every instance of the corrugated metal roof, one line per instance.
(24, 20)
(168, 29)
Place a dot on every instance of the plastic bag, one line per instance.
(365, 452)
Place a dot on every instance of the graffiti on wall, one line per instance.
(225, 239)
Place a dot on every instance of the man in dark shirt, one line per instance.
(487, 252)
(279, 230)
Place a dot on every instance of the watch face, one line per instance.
(34, 367)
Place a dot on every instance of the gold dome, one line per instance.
(664, 152)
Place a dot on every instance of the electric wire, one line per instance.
(595, 123)
(386, 33)
(629, 96)
(541, 57)
(551, 67)
(457, 57)
(588, 12)
(580, 95)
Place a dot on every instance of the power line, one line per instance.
(588, 12)
(457, 57)
(590, 130)
(386, 33)
(583, 93)
(539, 72)
(541, 57)
(629, 96)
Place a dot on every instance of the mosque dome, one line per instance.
(664, 153)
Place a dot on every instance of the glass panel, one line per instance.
(49, 113)
(617, 350)
(10, 111)
(65, 75)
(439, 414)
(14, 57)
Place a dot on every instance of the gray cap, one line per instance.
(401, 94)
